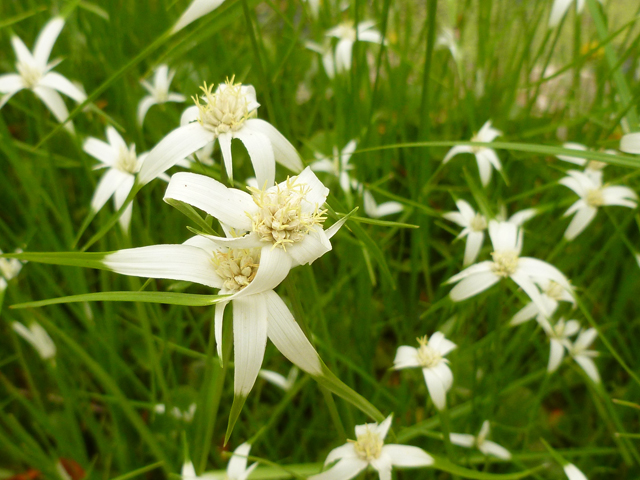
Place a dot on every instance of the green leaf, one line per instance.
(447, 466)
(73, 259)
(192, 214)
(166, 298)
(382, 223)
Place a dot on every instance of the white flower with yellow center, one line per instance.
(485, 156)
(38, 338)
(593, 195)
(480, 442)
(236, 469)
(34, 73)
(430, 357)
(249, 276)
(474, 224)
(122, 164)
(287, 217)
(158, 91)
(224, 114)
(347, 35)
(369, 449)
(559, 339)
(506, 238)
(580, 352)
(551, 294)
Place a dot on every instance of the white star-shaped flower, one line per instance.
(593, 195)
(373, 210)
(34, 73)
(347, 36)
(480, 442)
(287, 217)
(122, 164)
(551, 293)
(430, 357)
(560, 8)
(507, 263)
(580, 352)
(38, 338)
(474, 224)
(158, 91)
(236, 469)
(486, 158)
(447, 40)
(369, 449)
(559, 339)
(338, 166)
(224, 114)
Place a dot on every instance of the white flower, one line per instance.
(430, 357)
(197, 9)
(326, 52)
(279, 380)
(287, 217)
(158, 92)
(559, 335)
(593, 168)
(486, 157)
(480, 442)
(38, 338)
(592, 196)
(560, 8)
(369, 449)
(314, 8)
(551, 293)
(447, 40)
(573, 473)
(9, 269)
(580, 353)
(224, 115)
(338, 166)
(249, 276)
(630, 143)
(507, 263)
(34, 73)
(176, 413)
(122, 164)
(347, 35)
(473, 224)
(236, 469)
(373, 210)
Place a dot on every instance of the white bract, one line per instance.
(279, 380)
(34, 73)
(593, 195)
(486, 158)
(474, 224)
(122, 164)
(507, 263)
(347, 35)
(630, 143)
(236, 469)
(158, 92)
(249, 276)
(551, 293)
(559, 339)
(373, 210)
(480, 442)
(338, 165)
(9, 269)
(197, 9)
(593, 168)
(430, 357)
(224, 114)
(38, 338)
(287, 217)
(369, 449)
(560, 8)
(580, 352)
(573, 473)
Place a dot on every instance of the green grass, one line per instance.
(382, 284)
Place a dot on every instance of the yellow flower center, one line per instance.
(368, 446)
(224, 110)
(554, 290)
(427, 356)
(127, 160)
(237, 267)
(478, 223)
(280, 218)
(30, 75)
(475, 149)
(594, 198)
(505, 263)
